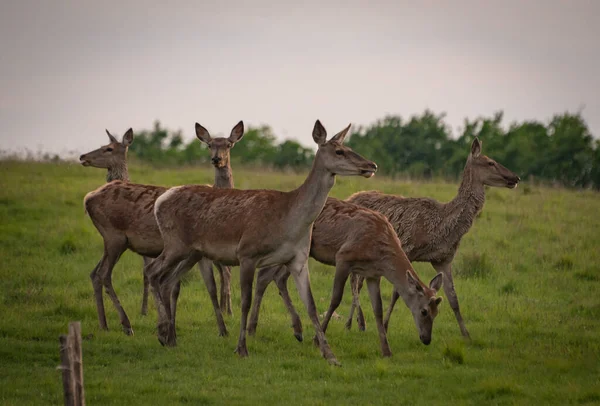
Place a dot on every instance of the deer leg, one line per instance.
(225, 275)
(446, 269)
(146, 288)
(342, 273)
(247, 269)
(205, 266)
(170, 287)
(264, 278)
(281, 278)
(97, 285)
(348, 324)
(360, 316)
(155, 270)
(299, 269)
(113, 252)
(375, 294)
(395, 297)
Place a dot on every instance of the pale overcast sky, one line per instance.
(70, 69)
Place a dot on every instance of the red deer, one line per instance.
(249, 228)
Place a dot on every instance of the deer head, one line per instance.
(337, 158)
(489, 172)
(423, 304)
(110, 155)
(220, 147)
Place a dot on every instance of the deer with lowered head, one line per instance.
(431, 231)
(360, 241)
(249, 228)
(123, 214)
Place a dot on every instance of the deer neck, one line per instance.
(224, 177)
(118, 172)
(463, 209)
(309, 199)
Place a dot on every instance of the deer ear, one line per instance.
(237, 132)
(339, 137)
(413, 282)
(438, 300)
(436, 282)
(476, 148)
(110, 137)
(319, 134)
(128, 138)
(202, 134)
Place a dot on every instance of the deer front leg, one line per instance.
(264, 278)
(97, 285)
(446, 269)
(341, 276)
(281, 278)
(146, 288)
(113, 251)
(373, 284)
(247, 269)
(299, 269)
(395, 297)
(225, 275)
(205, 266)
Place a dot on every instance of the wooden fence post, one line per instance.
(72, 366)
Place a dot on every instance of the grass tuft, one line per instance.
(474, 265)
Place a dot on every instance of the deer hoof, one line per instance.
(128, 330)
(242, 352)
(334, 362)
(299, 337)
(223, 333)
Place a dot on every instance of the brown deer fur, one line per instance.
(361, 241)
(123, 213)
(250, 228)
(431, 231)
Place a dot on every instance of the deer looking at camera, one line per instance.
(431, 231)
(359, 241)
(249, 228)
(123, 215)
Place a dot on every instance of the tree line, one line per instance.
(561, 151)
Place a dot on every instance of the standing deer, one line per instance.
(360, 241)
(220, 157)
(123, 214)
(249, 228)
(431, 231)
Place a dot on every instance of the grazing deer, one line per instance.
(123, 214)
(249, 228)
(431, 231)
(360, 241)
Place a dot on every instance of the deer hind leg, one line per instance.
(144, 310)
(247, 269)
(155, 270)
(264, 278)
(342, 272)
(299, 269)
(446, 269)
(375, 294)
(360, 316)
(225, 275)
(113, 251)
(170, 286)
(205, 266)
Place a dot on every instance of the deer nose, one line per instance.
(216, 160)
(374, 166)
(81, 157)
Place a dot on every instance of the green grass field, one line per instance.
(527, 276)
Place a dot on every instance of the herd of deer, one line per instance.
(367, 236)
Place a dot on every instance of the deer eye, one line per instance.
(109, 149)
(424, 312)
(339, 151)
(490, 163)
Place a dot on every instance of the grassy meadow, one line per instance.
(527, 277)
